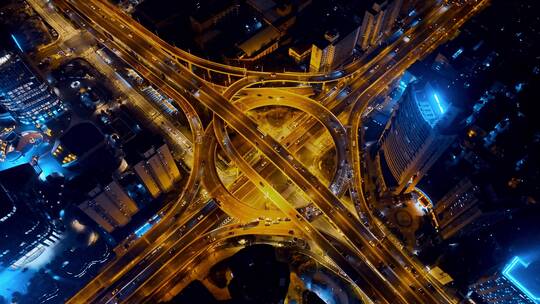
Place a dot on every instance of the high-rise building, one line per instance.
(109, 207)
(414, 138)
(458, 208)
(377, 22)
(371, 27)
(333, 50)
(393, 11)
(472, 205)
(23, 94)
(509, 286)
(158, 171)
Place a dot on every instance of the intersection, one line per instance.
(364, 242)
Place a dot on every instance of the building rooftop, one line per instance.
(322, 18)
(301, 47)
(264, 37)
(208, 8)
(17, 177)
(431, 104)
(262, 5)
(525, 275)
(135, 148)
(81, 138)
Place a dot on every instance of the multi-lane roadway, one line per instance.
(367, 248)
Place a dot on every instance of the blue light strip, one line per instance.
(17, 42)
(457, 53)
(507, 273)
(147, 226)
(143, 229)
(438, 102)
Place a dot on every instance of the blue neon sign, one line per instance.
(16, 42)
(438, 102)
(143, 229)
(516, 263)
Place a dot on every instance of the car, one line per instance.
(273, 75)
(195, 92)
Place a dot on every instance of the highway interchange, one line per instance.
(359, 247)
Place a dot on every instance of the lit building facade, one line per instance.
(23, 94)
(414, 138)
(158, 171)
(109, 207)
(261, 44)
(333, 50)
(501, 288)
(377, 22)
(458, 208)
(300, 52)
